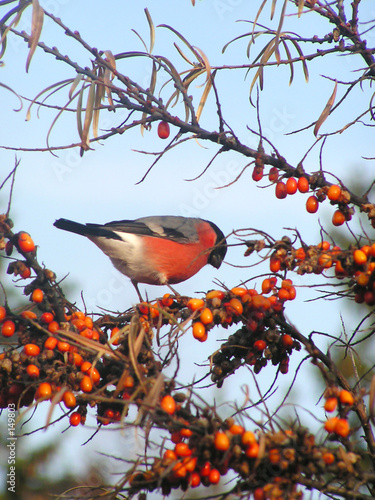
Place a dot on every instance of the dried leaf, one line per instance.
(205, 95)
(304, 63)
(268, 51)
(79, 111)
(36, 30)
(322, 118)
(301, 4)
(273, 8)
(183, 55)
(88, 117)
(257, 16)
(75, 84)
(13, 92)
(205, 62)
(289, 56)
(112, 61)
(99, 94)
(278, 32)
(181, 37)
(152, 30)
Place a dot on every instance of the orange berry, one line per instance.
(169, 456)
(257, 174)
(239, 290)
(199, 331)
(303, 185)
(248, 438)
(266, 286)
(283, 294)
(85, 366)
(236, 429)
(346, 397)
(89, 322)
(32, 371)
(29, 315)
(195, 480)
(186, 432)
(195, 304)
(128, 382)
(53, 327)
(274, 456)
(69, 399)
(273, 174)
(205, 469)
(206, 316)
(78, 315)
(259, 494)
(182, 450)
(25, 242)
(328, 458)
(79, 323)
(252, 451)
(330, 404)
(86, 384)
(44, 391)
(63, 346)
(3, 313)
(26, 273)
(50, 343)
(325, 260)
(167, 300)
(338, 218)
(75, 418)
(179, 470)
(37, 295)
(330, 424)
(190, 463)
(32, 349)
(359, 257)
(168, 404)
(280, 190)
(46, 317)
(114, 337)
(8, 328)
(334, 192)
(214, 476)
(216, 294)
(163, 130)
(300, 254)
(221, 441)
(287, 340)
(75, 358)
(235, 307)
(291, 185)
(312, 204)
(260, 345)
(342, 427)
(275, 265)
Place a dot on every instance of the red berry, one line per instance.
(8, 328)
(257, 173)
(291, 185)
(280, 190)
(163, 130)
(312, 204)
(273, 174)
(25, 242)
(303, 185)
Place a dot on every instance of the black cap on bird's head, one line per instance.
(218, 252)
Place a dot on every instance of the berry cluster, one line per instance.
(342, 401)
(337, 196)
(203, 449)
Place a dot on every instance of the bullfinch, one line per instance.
(157, 250)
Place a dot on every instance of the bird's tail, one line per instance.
(71, 226)
(85, 229)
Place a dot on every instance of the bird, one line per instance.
(156, 250)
